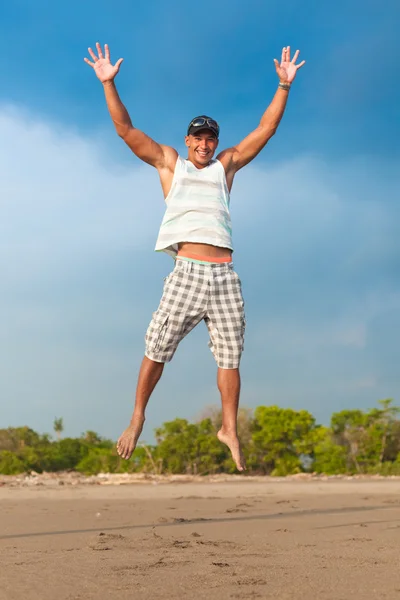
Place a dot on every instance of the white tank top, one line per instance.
(197, 208)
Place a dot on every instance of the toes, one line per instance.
(127, 452)
(130, 451)
(123, 450)
(240, 462)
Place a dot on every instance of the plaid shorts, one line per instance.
(193, 293)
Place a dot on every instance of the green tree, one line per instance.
(15, 438)
(369, 438)
(329, 457)
(184, 447)
(92, 438)
(383, 426)
(99, 460)
(282, 440)
(10, 464)
(349, 430)
(276, 441)
(69, 452)
(58, 427)
(244, 419)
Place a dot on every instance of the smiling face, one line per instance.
(201, 147)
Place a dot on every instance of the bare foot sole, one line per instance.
(233, 444)
(128, 440)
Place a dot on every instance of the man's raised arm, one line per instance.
(142, 145)
(240, 155)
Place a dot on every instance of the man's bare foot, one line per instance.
(232, 441)
(128, 440)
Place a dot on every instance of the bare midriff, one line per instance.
(203, 250)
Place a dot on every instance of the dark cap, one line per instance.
(203, 122)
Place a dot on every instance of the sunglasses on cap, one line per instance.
(204, 122)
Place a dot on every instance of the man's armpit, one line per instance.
(227, 158)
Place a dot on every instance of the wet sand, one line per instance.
(241, 538)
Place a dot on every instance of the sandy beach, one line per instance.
(295, 538)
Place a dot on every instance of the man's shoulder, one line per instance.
(227, 158)
(170, 157)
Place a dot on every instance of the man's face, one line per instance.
(201, 147)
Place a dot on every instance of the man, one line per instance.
(196, 231)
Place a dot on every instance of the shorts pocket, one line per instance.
(156, 332)
(243, 330)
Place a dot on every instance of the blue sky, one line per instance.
(315, 215)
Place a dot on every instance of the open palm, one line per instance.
(287, 69)
(102, 66)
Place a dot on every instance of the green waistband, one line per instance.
(198, 262)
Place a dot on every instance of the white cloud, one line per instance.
(62, 201)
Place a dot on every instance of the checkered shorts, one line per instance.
(192, 293)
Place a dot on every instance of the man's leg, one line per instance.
(150, 373)
(229, 386)
(171, 322)
(225, 320)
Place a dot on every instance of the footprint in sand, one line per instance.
(181, 544)
(159, 563)
(107, 541)
(182, 520)
(252, 594)
(251, 581)
(239, 508)
(218, 543)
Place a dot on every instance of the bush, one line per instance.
(10, 464)
(329, 458)
(99, 460)
(276, 441)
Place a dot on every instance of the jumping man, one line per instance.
(196, 232)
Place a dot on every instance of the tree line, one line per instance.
(276, 441)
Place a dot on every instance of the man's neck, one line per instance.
(199, 166)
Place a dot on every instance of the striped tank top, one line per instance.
(197, 208)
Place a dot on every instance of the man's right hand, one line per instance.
(162, 157)
(102, 66)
